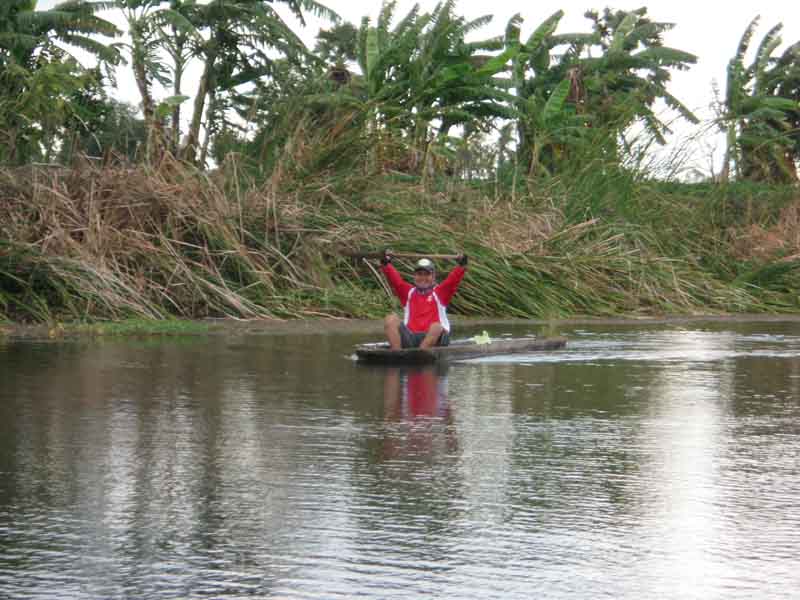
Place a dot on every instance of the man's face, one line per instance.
(423, 279)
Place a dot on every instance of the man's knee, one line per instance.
(391, 320)
(436, 329)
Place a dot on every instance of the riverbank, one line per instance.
(113, 244)
(365, 327)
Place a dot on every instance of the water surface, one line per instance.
(643, 461)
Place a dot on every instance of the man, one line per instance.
(424, 322)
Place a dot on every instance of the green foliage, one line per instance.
(38, 76)
(142, 327)
(512, 149)
(100, 127)
(33, 115)
(241, 39)
(135, 244)
(424, 78)
(337, 45)
(24, 29)
(235, 41)
(563, 88)
(421, 78)
(761, 110)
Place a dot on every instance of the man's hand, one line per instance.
(462, 259)
(387, 257)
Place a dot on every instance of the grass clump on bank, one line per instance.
(140, 245)
(143, 327)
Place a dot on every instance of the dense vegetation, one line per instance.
(412, 132)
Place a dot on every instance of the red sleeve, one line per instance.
(400, 287)
(448, 287)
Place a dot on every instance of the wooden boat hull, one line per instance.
(382, 354)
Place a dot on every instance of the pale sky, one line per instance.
(711, 30)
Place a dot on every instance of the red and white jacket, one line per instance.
(422, 308)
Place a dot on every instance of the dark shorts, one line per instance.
(409, 339)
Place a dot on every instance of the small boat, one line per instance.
(380, 353)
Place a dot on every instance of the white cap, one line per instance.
(424, 264)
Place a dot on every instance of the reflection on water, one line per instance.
(417, 408)
(414, 392)
(637, 463)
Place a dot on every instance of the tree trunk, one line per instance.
(151, 122)
(10, 154)
(212, 108)
(730, 153)
(190, 149)
(525, 149)
(420, 147)
(176, 111)
(787, 166)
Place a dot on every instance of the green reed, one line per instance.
(89, 244)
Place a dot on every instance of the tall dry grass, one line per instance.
(105, 243)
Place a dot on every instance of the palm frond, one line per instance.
(767, 45)
(669, 57)
(105, 53)
(409, 21)
(179, 22)
(764, 58)
(621, 34)
(475, 24)
(498, 63)
(543, 31)
(573, 39)
(372, 53)
(556, 102)
(744, 42)
(363, 33)
(315, 8)
(676, 105)
(513, 29)
(384, 22)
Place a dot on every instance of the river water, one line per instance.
(643, 461)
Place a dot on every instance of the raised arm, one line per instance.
(399, 286)
(448, 287)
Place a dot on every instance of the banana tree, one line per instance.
(761, 110)
(628, 81)
(556, 128)
(422, 78)
(24, 29)
(382, 54)
(547, 95)
(453, 82)
(240, 38)
(155, 26)
(788, 86)
(176, 35)
(608, 78)
(37, 72)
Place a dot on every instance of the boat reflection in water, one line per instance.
(417, 411)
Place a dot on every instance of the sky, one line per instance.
(710, 30)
